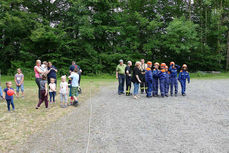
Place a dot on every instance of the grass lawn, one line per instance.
(17, 126)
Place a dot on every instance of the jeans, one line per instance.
(52, 96)
(10, 101)
(121, 81)
(18, 88)
(38, 84)
(136, 88)
(63, 97)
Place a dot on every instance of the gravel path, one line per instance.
(197, 123)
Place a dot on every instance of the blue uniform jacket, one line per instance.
(162, 75)
(156, 73)
(167, 77)
(148, 74)
(183, 75)
(173, 71)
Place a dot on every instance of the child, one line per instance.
(9, 99)
(44, 66)
(167, 81)
(52, 90)
(155, 79)
(173, 77)
(43, 92)
(182, 78)
(149, 79)
(19, 80)
(63, 92)
(70, 91)
(162, 78)
(75, 84)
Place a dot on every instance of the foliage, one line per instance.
(97, 34)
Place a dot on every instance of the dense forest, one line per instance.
(97, 33)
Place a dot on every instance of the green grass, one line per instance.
(199, 75)
(26, 120)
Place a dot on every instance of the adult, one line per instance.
(38, 73)
(120, 75)
(73, 67)
(143, 84)
(51, 73)
(136, 79)
(128, 78)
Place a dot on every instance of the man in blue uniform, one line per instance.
(149, 79)
(183, 76)
(173, 77)
(155, 79)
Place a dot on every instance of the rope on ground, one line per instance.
(89, 122)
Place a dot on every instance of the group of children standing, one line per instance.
(47, 86)
(167, 77)
(19, 82)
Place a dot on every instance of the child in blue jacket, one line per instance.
(167, 81)
(183, 76)
(149, 79)
(173, 69)
(162, 78)
(155, 79)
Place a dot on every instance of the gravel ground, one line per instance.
(197, 123)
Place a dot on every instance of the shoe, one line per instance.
(131, 94)
(175, 95)
(166, 95)
(135, 97)
(75, 103)
(37, 107)
(119, 93)
(122, 93)
(162, 96)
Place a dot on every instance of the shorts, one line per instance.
(18, 88)
(74, 91)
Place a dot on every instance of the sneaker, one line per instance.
(135, 97)
(75, 103)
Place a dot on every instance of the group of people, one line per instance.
(19, 82)
(46, 80)
(150, 77)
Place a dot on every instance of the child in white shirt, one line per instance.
(52, 90)
(63, 92)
